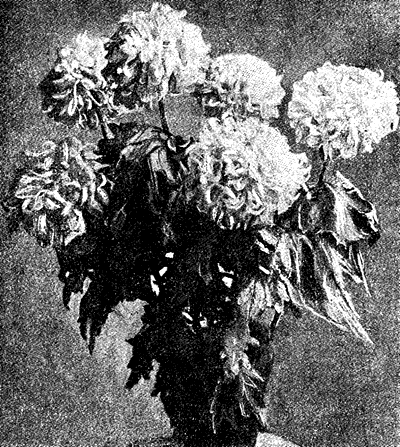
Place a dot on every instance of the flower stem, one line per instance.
(163, 117)
(325, 164)
(323, 170)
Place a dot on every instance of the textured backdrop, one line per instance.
(327, 388)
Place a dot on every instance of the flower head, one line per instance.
(243, 173)
(75, 91)
(86, 56)
(241, 85)
(65, 182)
(343, 109)
(155, 53)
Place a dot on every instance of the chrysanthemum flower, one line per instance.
(243, 173)
(343, 109)
(75, 91)
(155, 53)
(241, 85)
(65, 181)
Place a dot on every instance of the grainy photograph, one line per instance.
(199, 223)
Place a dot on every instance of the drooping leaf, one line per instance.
(241, 390)
(141, 363)
(314, 273)
(332, 272)
(318, 254)
(148, 174)
(93, 312)
(337, 207)
(134, 244)
(112, 282)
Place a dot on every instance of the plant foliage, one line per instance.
(219, 236)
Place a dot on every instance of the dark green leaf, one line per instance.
(338, 207)
(313, 272)
(93, 312)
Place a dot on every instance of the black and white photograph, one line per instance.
(200, 223)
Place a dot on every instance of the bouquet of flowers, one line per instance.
(220, 236)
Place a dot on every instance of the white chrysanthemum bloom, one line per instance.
(343, 109)
(242, 85)
(243, 173)
(86, 55)
(155, 53)
(75, 91)
(66, 181)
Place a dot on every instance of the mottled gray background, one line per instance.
(328, 389)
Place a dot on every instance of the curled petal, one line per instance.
(347, 107)
(155, 53)
(241, 85)
(67, 180)
(75, 91)
(244, 169)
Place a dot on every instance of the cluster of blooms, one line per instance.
(75, 91)
(66, 181)
(155, 53)
(243, 173)
(241, 85)
(343, 110)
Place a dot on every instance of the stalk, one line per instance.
(325, 163)
(163, 117)
(323, 170)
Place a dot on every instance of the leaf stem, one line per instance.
(163, 117)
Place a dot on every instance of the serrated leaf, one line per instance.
(141, 362)
(73, 283)
(93, 312)
(238, 396)
(318, 255)
(339, 305)
(316, 278)
(338, 207)
(142, 144)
